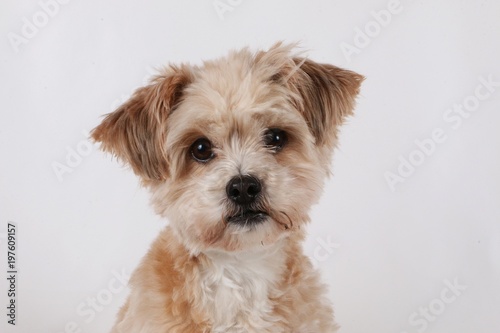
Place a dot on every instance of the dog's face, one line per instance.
(236, 151)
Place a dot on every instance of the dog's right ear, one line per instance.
(136, 131)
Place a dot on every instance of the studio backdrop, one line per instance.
(407, 233)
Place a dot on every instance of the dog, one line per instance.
(234, 153)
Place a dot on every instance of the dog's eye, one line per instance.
(201, 150)
(275, 139)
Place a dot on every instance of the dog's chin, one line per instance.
(247, 218)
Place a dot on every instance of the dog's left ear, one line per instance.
(136, 131)
(328, 96)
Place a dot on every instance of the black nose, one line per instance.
(243, 190)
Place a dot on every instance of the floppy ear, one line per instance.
(327, 97)
(136, 131)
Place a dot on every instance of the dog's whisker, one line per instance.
(288, 217)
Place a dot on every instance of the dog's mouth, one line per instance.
(248, 217)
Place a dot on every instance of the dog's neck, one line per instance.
(265, 264)
(239, 284)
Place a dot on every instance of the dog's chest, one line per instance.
(235, 294)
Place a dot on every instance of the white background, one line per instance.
(392, 253)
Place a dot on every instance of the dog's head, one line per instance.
(236, 151)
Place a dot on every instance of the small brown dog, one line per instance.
(234, 153)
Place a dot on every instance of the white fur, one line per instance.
(236, 288)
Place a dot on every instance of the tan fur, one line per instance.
(204, 274)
